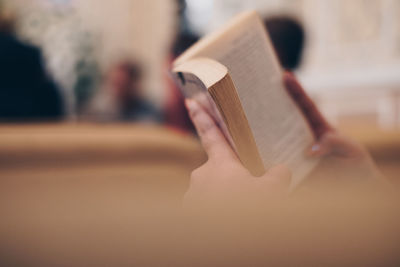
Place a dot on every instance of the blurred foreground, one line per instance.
(91, 194)
(98, 195)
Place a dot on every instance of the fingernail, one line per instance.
(315, 148)
(188, 103)
(191, 105)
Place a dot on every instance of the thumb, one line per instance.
(213, 140)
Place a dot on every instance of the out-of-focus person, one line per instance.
(176, 115)
(26, 91)
(288, 38)
(121, 98)
(175, 111)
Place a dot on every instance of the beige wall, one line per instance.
(138, 29)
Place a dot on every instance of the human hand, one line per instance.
(223, 177)
(341, 157)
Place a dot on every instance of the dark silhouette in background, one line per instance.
(176, 115)
(175, 111)
(288, 37)
(26, 92)
(183, 41)
(121, 97)
(125, 83)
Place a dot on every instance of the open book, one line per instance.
(235, 75)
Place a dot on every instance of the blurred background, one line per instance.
(88, 64)
(91, 122)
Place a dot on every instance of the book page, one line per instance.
(280, 131)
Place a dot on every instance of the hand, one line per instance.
(342, 159)
(223, 177)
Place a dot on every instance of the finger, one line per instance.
(334, 143)
(214, 142)
(314, 117)
(320, 149)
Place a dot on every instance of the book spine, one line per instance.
(229, 105)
